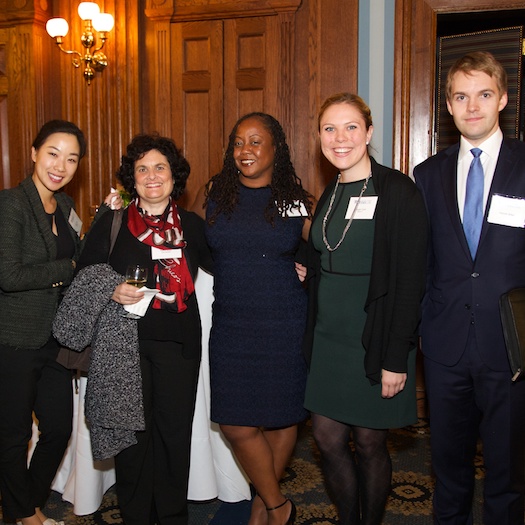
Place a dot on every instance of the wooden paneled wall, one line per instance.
(278, 56)
(43, 84)
(26, 99)
(108, 110)
(185, 68)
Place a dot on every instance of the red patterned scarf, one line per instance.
(172, 276)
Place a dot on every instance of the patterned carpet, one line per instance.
(409, 504)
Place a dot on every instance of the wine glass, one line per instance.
(136, 275)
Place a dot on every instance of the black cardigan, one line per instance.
(397, 280)
(161, 325)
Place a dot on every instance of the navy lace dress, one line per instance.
(258, 372)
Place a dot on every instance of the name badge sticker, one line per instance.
(75, 221)
(507, 211)
(157, 253)
(365, 210)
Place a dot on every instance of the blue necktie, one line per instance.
(473, 211)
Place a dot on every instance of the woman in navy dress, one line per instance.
(256, 213)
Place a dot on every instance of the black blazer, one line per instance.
(397, 274)
(462, 293)
(31, 277)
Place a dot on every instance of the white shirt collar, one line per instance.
(490, 146)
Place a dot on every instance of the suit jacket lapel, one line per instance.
(449, 170)
(40, 216)
(500, 181)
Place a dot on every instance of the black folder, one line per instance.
(512, 310)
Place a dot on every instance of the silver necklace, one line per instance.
(349, 223)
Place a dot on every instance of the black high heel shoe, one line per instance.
(293, 511)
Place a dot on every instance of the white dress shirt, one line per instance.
(489, 158)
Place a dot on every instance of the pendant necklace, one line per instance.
(349, 223)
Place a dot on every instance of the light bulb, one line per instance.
(88, 10)
(57, 27)
(103, 22)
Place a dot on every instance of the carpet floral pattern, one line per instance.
(410, 502)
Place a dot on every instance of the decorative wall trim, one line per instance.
(198, 10)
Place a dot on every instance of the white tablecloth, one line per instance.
(214, 472)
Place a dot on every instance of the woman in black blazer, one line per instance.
(367, 252)
(39, 243)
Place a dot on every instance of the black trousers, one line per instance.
(152, 476)
(469, 400)
(32, 381)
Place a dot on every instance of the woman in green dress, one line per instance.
(367, 252)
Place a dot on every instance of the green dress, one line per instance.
(337, 385)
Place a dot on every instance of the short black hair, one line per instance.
(60, 126)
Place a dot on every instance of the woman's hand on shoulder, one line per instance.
(392, 383)
(124, 293)
(301, 271)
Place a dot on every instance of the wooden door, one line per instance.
(197, 95)
(221, 71)
(251, 65)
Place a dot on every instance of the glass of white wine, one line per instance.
(136, 275)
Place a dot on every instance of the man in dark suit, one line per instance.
(475, 197)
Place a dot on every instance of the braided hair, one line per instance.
(286, 187)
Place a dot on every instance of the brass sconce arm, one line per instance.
(94, 21)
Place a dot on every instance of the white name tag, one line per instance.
(300, 211)
(507, 211)
(157, 253)
(365, 210)
(74, 221)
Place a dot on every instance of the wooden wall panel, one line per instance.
(198, 141)
(4, 135)
(251, 68)
(21, 102)
(108, 110)
(199, 10)
(25, 59)
(43, 84)
(197, 98)
(308, 49)
(326, 48)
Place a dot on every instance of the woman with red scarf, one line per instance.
(152, 476)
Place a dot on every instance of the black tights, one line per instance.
(359, 482)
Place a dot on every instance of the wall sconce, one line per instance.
(57, 28)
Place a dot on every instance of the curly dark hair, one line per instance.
(286, 186)
(142, 144)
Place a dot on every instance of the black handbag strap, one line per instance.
(115, 228)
